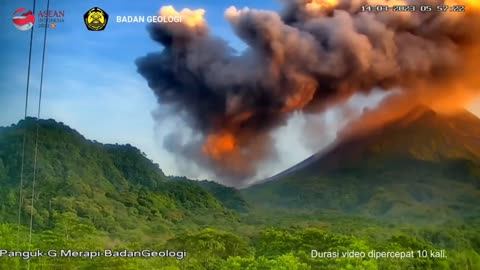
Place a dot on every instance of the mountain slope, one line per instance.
(422, 164)
(114, 187)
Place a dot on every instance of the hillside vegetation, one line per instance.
(424, 167)
(91, 196)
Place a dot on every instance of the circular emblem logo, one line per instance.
(23, 20)
(96, 19)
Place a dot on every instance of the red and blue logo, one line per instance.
(23, 20)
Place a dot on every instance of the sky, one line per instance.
(92, 85)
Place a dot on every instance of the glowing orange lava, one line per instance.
(219, 145)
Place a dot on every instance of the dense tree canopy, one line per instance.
(95, 197)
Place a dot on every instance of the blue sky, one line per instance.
(90, 80)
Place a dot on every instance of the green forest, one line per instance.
(91, 196)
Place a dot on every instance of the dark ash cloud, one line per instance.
(314, 55)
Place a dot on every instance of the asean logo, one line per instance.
(23, 21)
(95, 19)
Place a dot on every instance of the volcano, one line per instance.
(422, 164)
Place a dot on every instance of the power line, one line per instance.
(20, 200)
(37, 129)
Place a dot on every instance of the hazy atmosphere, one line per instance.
(94, 81)
(240, 135)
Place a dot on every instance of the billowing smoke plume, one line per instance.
(315, 54)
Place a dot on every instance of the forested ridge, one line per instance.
(423, 167)
(92, 196)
